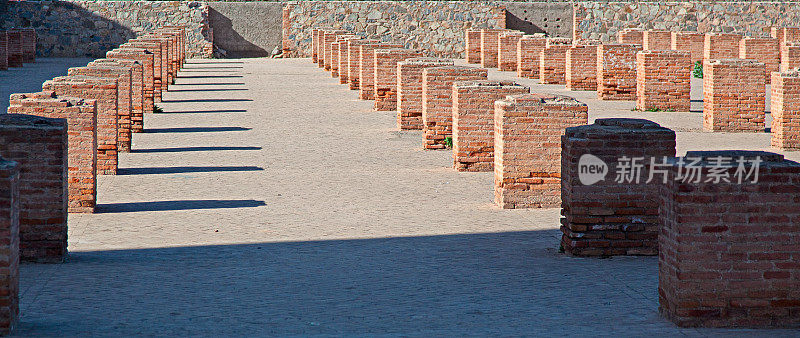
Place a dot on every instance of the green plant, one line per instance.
(653, 110)
(698, 70)
(448, 141)
(157, 110)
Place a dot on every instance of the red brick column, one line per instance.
(766, 50)
(657, 40)
(9, 246)
(81, 116)
(507, 50)
(631, 36)
(692, 42)
(344, 59)
(733, 95)
(145, 59)
(328, 38)
(336, 46)
(124, 76)
(386, 75)
(366, 76)
(3, 50)
(612, 217)
(28, 45)
(354, 60)
(156, 50)
(581, 67)
(39, 146)
(721, 46)
(105, 92)
(437, 101)
(180, 32)
(171, 64)
(472, 49)
(527, 148)
(166, 58)
(616, 71)
(319, 48)
(790, 57)
(528, 49)
(14, 48)
(785, 35)
(785, 106)
(137, 87)
(314, 43)
(473, 121)
(409, 90)
(663, 80)
(489, 51)
(727, 250)
(553, 64)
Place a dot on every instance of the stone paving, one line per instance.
(268, 200)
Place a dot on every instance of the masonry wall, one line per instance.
(616, 71)
(630, 35)
(39, 146)
(14, 47)
(9, 246)
(527, 148)
(386, 76)
(437, 101)
(663, 80)
(3, 50)
(733, 95)
(409, 90)
(785, 107)
(581, 67)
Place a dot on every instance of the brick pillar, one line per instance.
(28, 45)
(124, 76)
(527, 148)
(437, 100)
(528, 49)
(733, 95)
(785, 105)
(692, 42)
(727, 250)
(581, 67)
(721, 46)
(766, 50)
(3, 50)
(507, 50)
(409, 90)
(612, 217)
(137, 87)
(329, 37)
(657, 40)
(489, 38)
(14, 48)
(785, 35)
(790, 57)
(166, 58)
(552, 64)
(336, 46)
(9, 246)
(663, 80)
(155, 49)
(105, 92)
(616, 71)
(366, 76)
(354, 60)
(145, 59)
(314, 43)
(81, 116)
(386, 75)
(472, 49)
(631, 36)
(39, 146)
(180, 32)
(473, 121)
(344, 59)
(172, 54)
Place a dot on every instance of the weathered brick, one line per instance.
(663, 80)
(437, 101)
(473, 121)
(631, 36)
(156, 49)
(168, 60)
(9, 246)
(785, 106)
(386, 75)
(657, 40)
(528, 49)
(553, 63)
(354, 60)
(612, 216)
(733, 95)
(472, 49)
(124, 77)
(581, 67)
(507, 50)
(692, 42)
(790, 56)
(81, 116)
(341, 40)
(527, 148)
(344, 59)
(145, 59)
(721, 46)
(39, 146)
(489, 51)
(616, 71)
(785, 35)
(766, 50)
(409, 90)
(366, 76)
(328, 38)
(137, 88)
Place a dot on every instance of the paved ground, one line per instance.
(269, 200)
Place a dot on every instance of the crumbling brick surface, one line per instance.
(124, 76)
(733, 95)
(39, 146)
(386, 75)
(727, 248)
(692, 42)
(528, 49)
(366, 77)
(409, 90)
(552, 64)
(105, 92)
(489, 50)
(721, 46)
(354, 61)
(507, 50)
(581, 67)
(81, 116)
(766, 50)
(9, 245)
(473, 121)
(527, 148)
(657, 40)
(14, 48)
(616, 71)
(145, 59)
(785, 106)
(631, 36)
(473, 46)
(663, 80)
(613, 216)
(437, 101)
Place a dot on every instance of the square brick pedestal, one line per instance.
(734, 96)
(124, 76)
(692, 42)
(489, 49)
(663, 80)
(785, 107)
(386, 75)
(507, 50)
(790, 57)
(366, 77)
(631, 36)
(409, 90)
(616, 71)
(437, 101)
(3, 50)
(14, 48)
(721, 46)
(657, 40)
(528, 49)
(552, 64)
(766, 50)
(145, 59)
(581, 67)
(354, 61)
(527, 148)
(472, 49)
(28, 45)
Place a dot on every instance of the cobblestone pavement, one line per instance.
(268, 200)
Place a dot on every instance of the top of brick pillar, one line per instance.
(736, 62)
(618, 126)
(49, 98)
(632, 29)
(494, 30)
(79, 79)
(509, 33)
(539, 99)
(621, 45)
(558, 41)
(747, 154)
(365, 41)
(756, 38)
(666, 52)
(793, 73)
(22, 120)
(444, 69)
(488, 84)
(724, 34)
(343, 37)
(686, 33)
(587, 42)
(535, 36)
(428, 61)
(397, 50)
